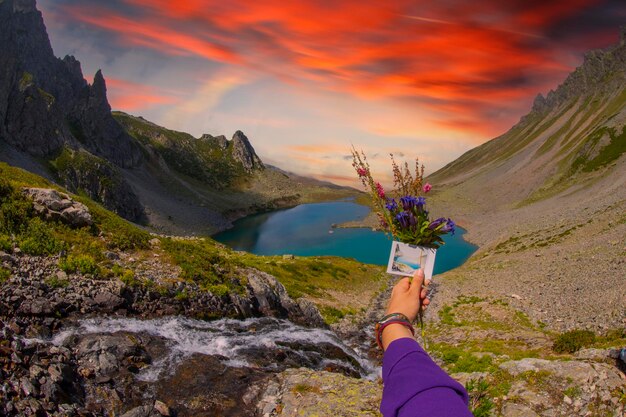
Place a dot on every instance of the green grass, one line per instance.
(481, 402)
(607, 154)
(462, 360)
(313, 276)
(203, 262)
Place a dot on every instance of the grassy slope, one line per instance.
(328, 281)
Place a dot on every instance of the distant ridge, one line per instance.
(571, 136)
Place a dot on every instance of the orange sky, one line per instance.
(305, 79)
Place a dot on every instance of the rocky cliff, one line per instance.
(46, 106)
(45, 102)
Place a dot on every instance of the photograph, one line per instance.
(405, 259)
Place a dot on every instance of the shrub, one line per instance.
(85, 264)
(56, 282)
(128, 278)
(15, 209)
(5, 243)
(38, 239)
(4, 275)
(573, 341)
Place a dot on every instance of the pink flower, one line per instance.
(362, 172)
(379, 190)
(427, 187)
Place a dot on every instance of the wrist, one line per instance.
(394, 332)
(391, 327)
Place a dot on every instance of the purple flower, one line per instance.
(403, 219)
(436, 223)
(449, 227)
(420, 201)
(408, 202)
(406, 219)
(391, 205)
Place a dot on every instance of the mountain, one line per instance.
(546, 202)
(570, 137)
(54, 123)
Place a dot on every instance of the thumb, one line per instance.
(418, 280)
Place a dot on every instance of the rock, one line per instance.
(141, 411)
(517, 297)
(37, 307)
(111, 256)
(270, 298)
(517, 410)
(288, 256)
(304, 392)
(53, 205)
(103, 182)
(108, 301)
(5, 257)
(162, 408)
(244, 153)
(593, 354)
(28, 388)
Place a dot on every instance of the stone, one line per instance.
(162, 408)
(28, 388)
(244, 153)
(517, 410)
(54, 205)
(141, 411)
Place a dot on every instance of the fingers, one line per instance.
(418, 280)
(404, 284)
(425, 302)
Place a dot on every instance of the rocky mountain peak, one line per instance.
(24, 6)
(244, 152)
(220, 141)
(602, 71)
(45, 103)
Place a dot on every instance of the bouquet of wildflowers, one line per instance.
(403, 214)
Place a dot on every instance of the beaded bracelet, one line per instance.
(393, 318)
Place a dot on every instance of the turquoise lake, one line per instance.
(305, 230)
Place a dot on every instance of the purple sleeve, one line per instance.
(415, 386)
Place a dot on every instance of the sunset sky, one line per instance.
(305, 79)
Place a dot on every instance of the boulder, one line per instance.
(54, 205)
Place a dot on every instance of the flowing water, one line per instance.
(267, 343)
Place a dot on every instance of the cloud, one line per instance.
(130, 96)
(460, 59)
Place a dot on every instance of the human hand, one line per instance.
(408, 295)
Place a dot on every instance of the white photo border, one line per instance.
(427, 265)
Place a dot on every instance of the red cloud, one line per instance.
(463, 61)
(130, 96)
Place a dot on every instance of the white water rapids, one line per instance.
(236, 340)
